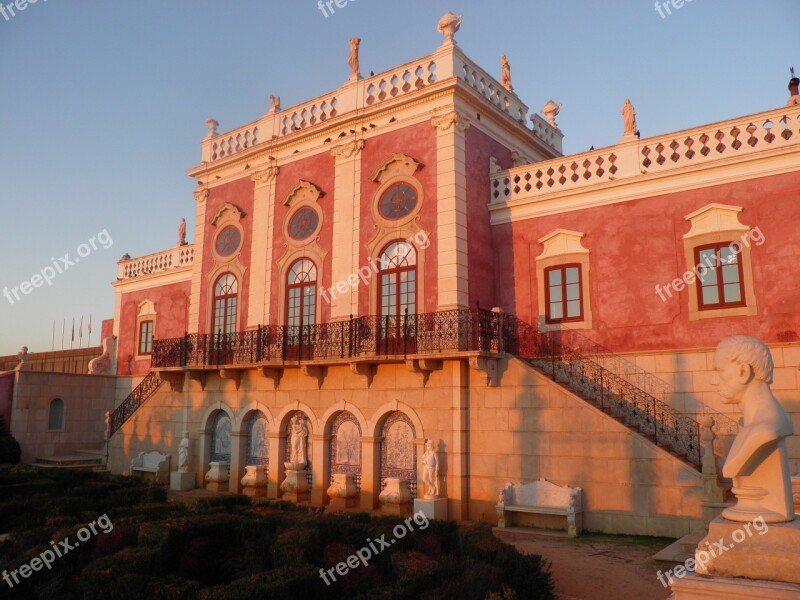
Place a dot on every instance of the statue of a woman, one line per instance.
(430, 470)
(505, 78)
(183, 454)
(355, 71)
(182, 233)
(299, 433)
(629, 117)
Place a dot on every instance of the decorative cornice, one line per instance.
(445, 121)
(396, 164)
(304, 190)
(265, 176)
(227, 210)
(347, 150)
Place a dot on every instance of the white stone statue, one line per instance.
(629, 118)
(449, 24)
(182, 233)
(212, 127)
(352, 60)
(494, 166)
(505, 78)
(551, 110)
(757, 462)
(299, 434)
(430, 470)
(23, 357)
(183, 454)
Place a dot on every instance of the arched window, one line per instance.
(56, 417)
(398, 277)
(225, 304)
(301, 294)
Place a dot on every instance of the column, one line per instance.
(261, 249)
(276, 471)
(320, 455)
(452, 210)
(370, 472)
(238, 459)
(346, 220)
(197, 265)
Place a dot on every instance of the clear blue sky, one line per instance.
(104, 103)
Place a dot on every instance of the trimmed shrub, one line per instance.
(123, 576)
(10, 451)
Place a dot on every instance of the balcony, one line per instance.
(361, 338)
(160, 262)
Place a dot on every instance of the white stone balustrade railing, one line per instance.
(637, 158)
(179, 256)
(447, 62)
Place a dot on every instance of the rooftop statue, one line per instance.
(449, 24)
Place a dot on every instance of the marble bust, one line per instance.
(757, 462)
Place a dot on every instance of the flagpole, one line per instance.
(89, 340)
(72, 337)
(63, 325)
(80, 334)
(53, 340)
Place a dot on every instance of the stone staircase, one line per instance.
(92, 459)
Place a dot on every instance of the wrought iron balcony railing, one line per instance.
(431, 333)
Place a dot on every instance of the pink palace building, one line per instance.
(411, 257)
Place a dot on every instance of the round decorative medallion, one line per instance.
(397, 202)
(303, 223)
(228, 241)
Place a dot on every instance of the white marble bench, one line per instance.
(544, 498)
(152, 462)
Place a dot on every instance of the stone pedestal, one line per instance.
(295, 486)
(342, 492)
(768, 551)
(255, 481)
(181, 481)
(699, 587)
(218, 476)
(432, 508)
(396, 497)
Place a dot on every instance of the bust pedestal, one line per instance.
(218, 476)
(396, 497)
(756, 562)
(254, 482)
(342, 492)
(295, 486)
(432, 508)
(181, 481)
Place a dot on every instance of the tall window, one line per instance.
(301, 293)
(721, 285)
(398, 277)
(225, 304)
(146, 337)
(56, 416)
(564, 297)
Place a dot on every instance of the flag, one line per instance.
(89, 329)
(80, 332)
(73, 330)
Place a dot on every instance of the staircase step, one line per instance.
(67, 462)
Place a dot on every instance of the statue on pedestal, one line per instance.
(629, 118)
(757, 462)
(183, 454)
(505, 78)
(352, 60)
(212, 127)
(298, 435)
(182, 233)
(274, 103)
(430, 470)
